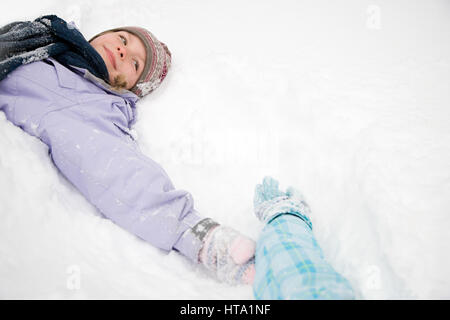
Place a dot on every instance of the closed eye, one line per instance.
(136, 65)
(124, 41)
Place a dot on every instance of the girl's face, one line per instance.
(124, 55)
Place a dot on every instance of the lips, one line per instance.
(110, 56)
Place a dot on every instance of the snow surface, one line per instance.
(346, 100)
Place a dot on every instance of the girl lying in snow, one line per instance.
(79, 98)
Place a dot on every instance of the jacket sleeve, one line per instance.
(95, 153)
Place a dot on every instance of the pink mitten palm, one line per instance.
(229, 254)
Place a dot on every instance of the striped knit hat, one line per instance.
(157, 63)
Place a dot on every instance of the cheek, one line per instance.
(97, 48)
(131, 78)
(111, 72)
(111, 78)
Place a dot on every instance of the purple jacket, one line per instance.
(87, 129)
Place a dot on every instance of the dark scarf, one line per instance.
(47, 36)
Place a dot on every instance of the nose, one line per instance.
(122, 51)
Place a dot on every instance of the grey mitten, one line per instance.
(229, 254)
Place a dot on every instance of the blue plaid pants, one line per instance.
(290, 264)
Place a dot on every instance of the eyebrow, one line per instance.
(131, 37)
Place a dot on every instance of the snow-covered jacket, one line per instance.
(86, 126)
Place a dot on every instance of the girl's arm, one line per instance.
(89, 143)
(106, 166)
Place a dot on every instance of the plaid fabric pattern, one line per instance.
(290, 264)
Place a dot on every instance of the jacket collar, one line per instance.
(129, 109)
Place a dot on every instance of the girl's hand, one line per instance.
(230, 255)
(270, 202)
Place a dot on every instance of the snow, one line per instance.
(347, 101)
(32, 56)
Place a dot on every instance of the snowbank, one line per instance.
(349, 103)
